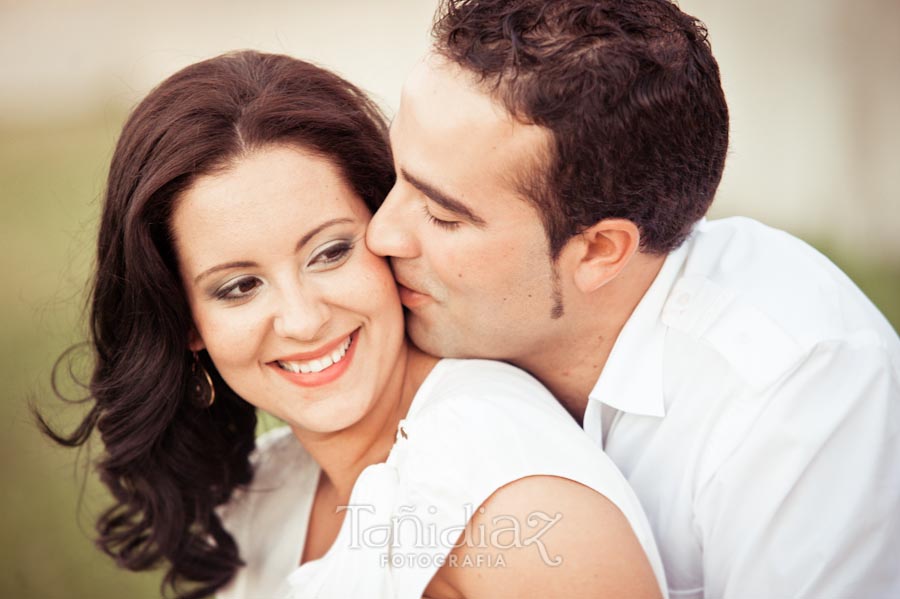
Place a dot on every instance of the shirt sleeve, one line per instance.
(808, 505)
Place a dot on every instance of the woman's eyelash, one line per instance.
(225, 293)
(333, 253)
(444, 224)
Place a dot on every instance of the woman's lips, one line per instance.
(323, 377)
(319, 353)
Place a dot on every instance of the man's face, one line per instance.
(468, 251)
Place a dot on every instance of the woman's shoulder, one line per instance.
(488, 384)
(482, 370)
(485, 421)
(548, 536)
(276, 451)
(476, 427)
(489, 405)
(268, 516)
(280, 466)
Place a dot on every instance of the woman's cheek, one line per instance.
(233, 335)
(379, 277)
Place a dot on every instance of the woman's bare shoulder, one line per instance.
(545, 536)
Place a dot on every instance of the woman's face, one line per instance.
(300, 319)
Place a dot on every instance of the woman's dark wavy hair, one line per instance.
(630, 92)
(169, 459)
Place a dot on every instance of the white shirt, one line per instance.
(473, 426)
(756, 412)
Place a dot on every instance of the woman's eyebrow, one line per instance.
(303, 241)
(319, 228)
(226, 266)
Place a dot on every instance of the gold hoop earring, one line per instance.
(198, 385)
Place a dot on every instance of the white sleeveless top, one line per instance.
(473, 427)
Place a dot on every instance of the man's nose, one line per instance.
(301, 315)
(392, 231)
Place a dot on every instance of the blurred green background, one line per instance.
(837, 189)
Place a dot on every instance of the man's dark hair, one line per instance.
(630, 92)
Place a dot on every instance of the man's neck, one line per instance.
(570, 365)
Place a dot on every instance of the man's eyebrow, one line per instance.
(443, 200)
(303, 241)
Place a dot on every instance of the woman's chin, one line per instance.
(326, 424)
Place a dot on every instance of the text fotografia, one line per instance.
(429, 561)
(425, 544)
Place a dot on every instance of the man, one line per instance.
(554, 162)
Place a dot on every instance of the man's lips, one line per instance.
(410, 297)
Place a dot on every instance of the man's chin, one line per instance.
(430, 340)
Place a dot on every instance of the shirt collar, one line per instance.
(631, 380)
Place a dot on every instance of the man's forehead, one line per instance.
(452, 134)
(442, 102)
(437, 86)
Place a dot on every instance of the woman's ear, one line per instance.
(603, 250)
(195, 341)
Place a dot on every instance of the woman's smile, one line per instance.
(321, 367)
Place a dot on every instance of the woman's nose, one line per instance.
(301, 315)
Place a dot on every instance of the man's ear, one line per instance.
(602, 251)
(195, 341)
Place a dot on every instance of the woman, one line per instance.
(232, 274)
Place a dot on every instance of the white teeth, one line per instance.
(290, 366)
(319, 364)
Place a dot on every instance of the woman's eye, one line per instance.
(443, 224)
(239, 289)
(332, 254)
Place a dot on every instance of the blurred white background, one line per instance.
(813, 85)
